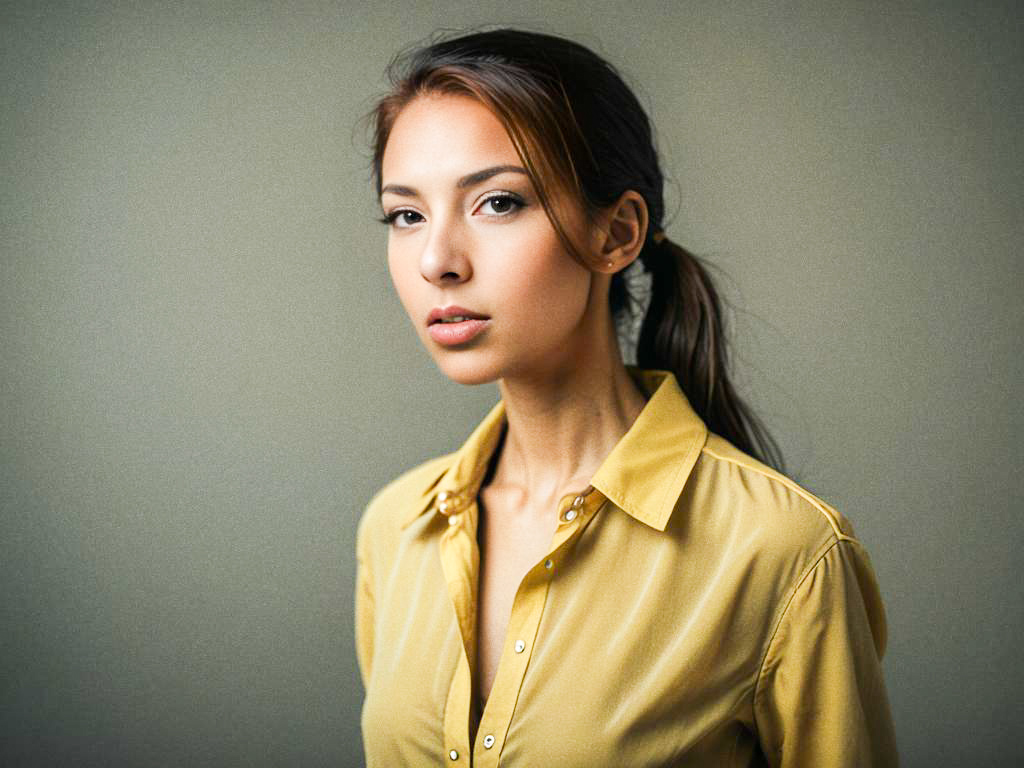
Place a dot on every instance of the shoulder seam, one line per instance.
(778, 478)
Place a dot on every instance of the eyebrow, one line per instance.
(466, 181)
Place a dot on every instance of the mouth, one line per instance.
(454, 319)
(452, 316)
(455, 325)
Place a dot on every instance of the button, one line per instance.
(453, 519)
(520, 646)
(452, 501)
(488, 741)
(453, 755)
(548, 563)
(570, 515)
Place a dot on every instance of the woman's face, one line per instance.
(467, 231)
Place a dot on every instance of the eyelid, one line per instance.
(391, 216)
(502, 194)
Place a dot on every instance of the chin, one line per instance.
(463, 369)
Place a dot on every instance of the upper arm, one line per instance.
(820, 698)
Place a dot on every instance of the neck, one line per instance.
(563, 423)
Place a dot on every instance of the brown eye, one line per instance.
(502, 205)
(401, 219)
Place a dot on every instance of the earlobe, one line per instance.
(625, 228)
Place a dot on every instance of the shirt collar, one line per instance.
(643, 475)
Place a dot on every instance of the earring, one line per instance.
(609, 263)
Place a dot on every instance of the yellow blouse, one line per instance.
(696, 608)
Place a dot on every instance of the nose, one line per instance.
(444, 259)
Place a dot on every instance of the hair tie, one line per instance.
(658, 236)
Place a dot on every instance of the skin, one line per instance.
(550, 341)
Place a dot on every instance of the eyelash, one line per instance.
(517, 201)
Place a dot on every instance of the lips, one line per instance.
(439, 314)
(455, 326)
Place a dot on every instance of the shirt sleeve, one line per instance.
(364, 608)
(820, 698)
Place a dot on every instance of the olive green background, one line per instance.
(206, 373)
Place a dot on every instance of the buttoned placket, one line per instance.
(460, 559)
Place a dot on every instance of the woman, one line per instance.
(607, 572)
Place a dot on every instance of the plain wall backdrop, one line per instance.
(206, 373)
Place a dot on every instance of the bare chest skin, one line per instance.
(512, 540)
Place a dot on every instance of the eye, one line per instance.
(400, 219)
(503, 204)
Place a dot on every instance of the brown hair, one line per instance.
(581, 132)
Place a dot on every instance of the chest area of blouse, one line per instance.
(609, 646)
(511, 541)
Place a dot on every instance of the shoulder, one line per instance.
(800, 539)
(396, 501)
(766, 502)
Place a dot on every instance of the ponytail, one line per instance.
(683, 332)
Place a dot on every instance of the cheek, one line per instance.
(401, 278)
(548, 293)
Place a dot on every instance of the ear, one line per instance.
(621, 232)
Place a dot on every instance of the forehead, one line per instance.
(444, 135)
